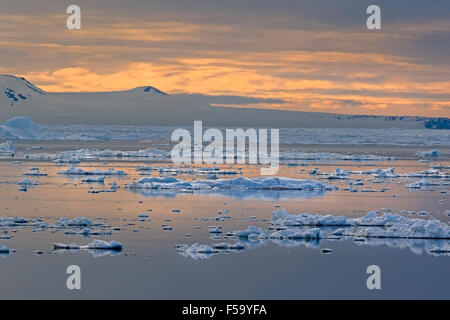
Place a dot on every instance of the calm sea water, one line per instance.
(150, 267)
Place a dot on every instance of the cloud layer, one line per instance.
(301, 55)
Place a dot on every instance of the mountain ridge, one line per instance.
(147, 105)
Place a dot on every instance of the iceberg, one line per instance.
(20, 128)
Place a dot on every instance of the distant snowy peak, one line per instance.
(148, 90)
(17, 89)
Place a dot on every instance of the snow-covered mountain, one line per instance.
(17, 90)
(150, 106)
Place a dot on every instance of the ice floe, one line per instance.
(35, 172)
(381, 175)
(28, 182)
(143, 215)
(60, 246)
(345, 173)
(251, 232)
(241, 183)
(94, 180)
(298, 155)
(12, 221)
(144, 170)
(7, 148)
(88, 155)
(78, 156)
(214, 171)
(215, 229)
(443, 250)
(362, 136)
(69, 226)
(393, 230)
(73, 170)
(105, 245)
(372, 225)
(312, 233)
(426, 183)
(3, 248)
(440, 166)
(97, 248)
(429, 173)
(77, 222)
(429, 153)
(201, 251)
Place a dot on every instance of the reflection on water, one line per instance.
(417, 246)
(94, 252)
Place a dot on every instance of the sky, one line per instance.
(298, 55)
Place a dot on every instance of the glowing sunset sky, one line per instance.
(312, 55)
